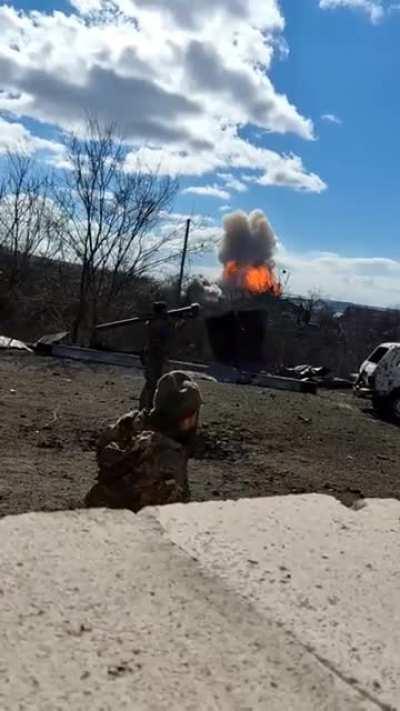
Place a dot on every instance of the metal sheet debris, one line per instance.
(6, 343)
(124, 360)
(280, 383)
(212, 372)
(44, 345)
(320, 375)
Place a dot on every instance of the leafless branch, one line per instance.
(108, 215)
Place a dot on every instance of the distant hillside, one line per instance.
(343, 305)
(340, 306)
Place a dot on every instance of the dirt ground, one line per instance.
(253, 442)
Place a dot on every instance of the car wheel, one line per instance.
(395, 407)
(380, 405)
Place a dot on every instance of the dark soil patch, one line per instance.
(218, 444)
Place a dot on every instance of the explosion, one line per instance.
(257, 280)
(247, 253)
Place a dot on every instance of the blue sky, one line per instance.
(298, 117)
(342, 64)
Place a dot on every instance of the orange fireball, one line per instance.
(255, 279)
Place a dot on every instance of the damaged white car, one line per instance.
(379, 377)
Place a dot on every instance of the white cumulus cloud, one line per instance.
(232, 183)
(373, 281)
(332, 118)
(181, 79)
(15, 138)
(288, 171)
(230, 151)
(370, 280)
(207, 191)
(373, 8)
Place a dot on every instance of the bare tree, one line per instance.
(109, 219)
(309, 307)
(27, 218)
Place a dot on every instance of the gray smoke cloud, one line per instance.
(205, 292)
(248, 239)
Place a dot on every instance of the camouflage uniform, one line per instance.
(142, 458)
(159, 336)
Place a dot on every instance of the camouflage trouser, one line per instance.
(154, 369)
(151, 471)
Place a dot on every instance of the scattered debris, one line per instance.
(212, 372)
(320, 375)
(305, 371)
(7, 343)
(359, 504)
(44, 345)
(217, 444)
(52, 421)
(119, 670)
(90, 355)
(277, 382)
(122, 360)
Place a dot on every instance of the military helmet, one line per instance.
(177, 396)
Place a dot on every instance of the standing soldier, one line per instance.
(159, 332)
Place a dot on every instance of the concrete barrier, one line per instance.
(288, 603)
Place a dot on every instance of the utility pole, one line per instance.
(183, 260)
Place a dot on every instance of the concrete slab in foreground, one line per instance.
(329, 574)
(201, 607)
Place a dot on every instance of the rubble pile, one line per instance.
(320, 376)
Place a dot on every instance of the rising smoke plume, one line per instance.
(204, 292)
(248, 239)
(247, 252)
